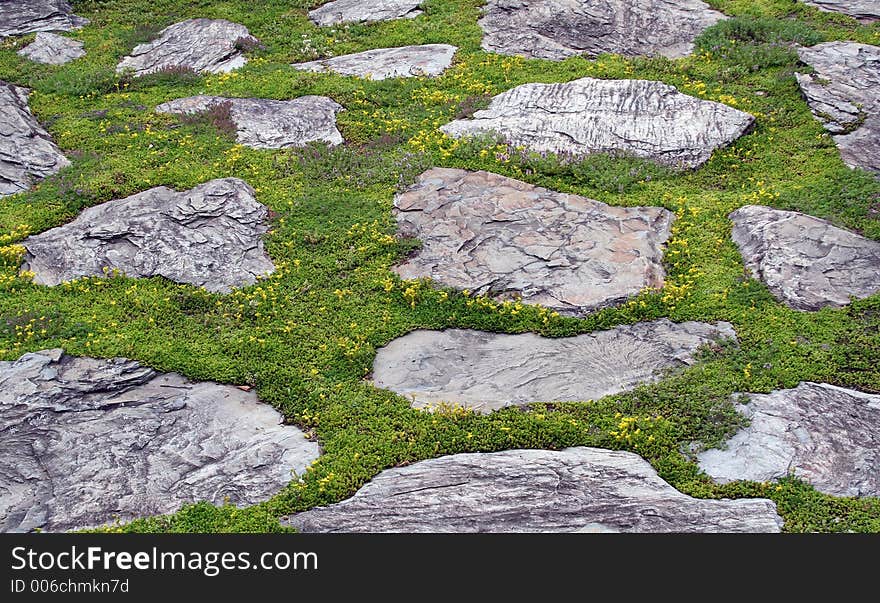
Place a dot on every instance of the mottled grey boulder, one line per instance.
(486, 371)
(53, 49)
(503, 237)
(571, 490)
(807, 263)
(642, 118)
(558, 29)
(209, 236)
(86, 441)
(19, 17)
(364, 11)
(406, 61)
(863, 10)
(826, 435)
(270, 124)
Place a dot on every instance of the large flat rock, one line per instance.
(642, 118)
(485, 371)
(428, 60)
(364, 11)
(558, 29)
(52, 49)
(863, 10)
(826, 435)
(571, 490)
(807, 263)
(499, 236)
(86, 441)
(19, 17)
(209, 236)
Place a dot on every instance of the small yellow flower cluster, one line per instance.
(635, 430)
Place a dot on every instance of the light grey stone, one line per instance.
(807, 263)
(499, 236)
(642, 118)
(863, 10)
(53, 49)
(86, 441)
(364, 11)
(18, 17)
(406, 61)
(209, 236)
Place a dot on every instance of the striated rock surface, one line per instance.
(364, 11)
(209, 236)
(86, 441)
(807, 263)
(646, 119)
(53, 49)
(496, 235)
(863, 10)
(19, 17)
(406, 61)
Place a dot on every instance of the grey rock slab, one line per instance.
(486, 371)
(572, 490)
(499, 236)
(558, 29)
(826, 435)
(382, 63)
(807, 263)
(364, 11)
(270, 124)
(18, 17)
(53, 49)
(86, 441)
(863, 10)
(209, 236)
(642, 118)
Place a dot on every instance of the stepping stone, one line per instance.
(19, 17)
(572, 490)
(486, 371)
(364, 11)
(201, 45)
(807, 263)
(558, 29)
(826, 435)
(844, 94)
(499, 236)
(53, 49)
(407, 61)
(641, 118)
(270, 124)
(87, 441)
(27, 152)
(863, 10)
(209, 236)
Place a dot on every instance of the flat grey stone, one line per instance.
(270, 124)
(642, 118)
(844, 94)
(558, 29)
(486, 371)
(364, 11)
(209, 236)
(27, 152)
(87, 440)
(18, 17)
(807, 263)
(406, 61)
(572, 490)
(202, 45)
(826, 435)
(499, 236)
(863, 10)
(53, 49)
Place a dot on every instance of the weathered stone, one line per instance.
(486, 371)
(499, 236)
(27, 152)
(86, 441)
(844, 94)
(572, 490)
(558, 29)
(406, 61)
(641, 118)
(19, 17)
(364, 11)
(53, 49)
(863, 10)
(270, 124)
(208, 236)
(807, 263)
(826, 435)
(202, 45)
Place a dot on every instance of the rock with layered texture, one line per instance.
(406, 61)
(53, 49)
(86, 441)
(18, 17)
(499, 236)
(866, 11)
(209, 236)
(641, 118)
(364, 11)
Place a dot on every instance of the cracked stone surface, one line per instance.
(27, 152)
(486, 371)
(863, 10)
(53, 49)
(209, 236)
(499, 236)
(807, 263)
(844, 94)
(18, 17)
(642, 118)
(828, 436)
(558, 29)
(271, 124)
(87, 440)
(572, 490)
(406, 61)
(364, 11)
(203, 45)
